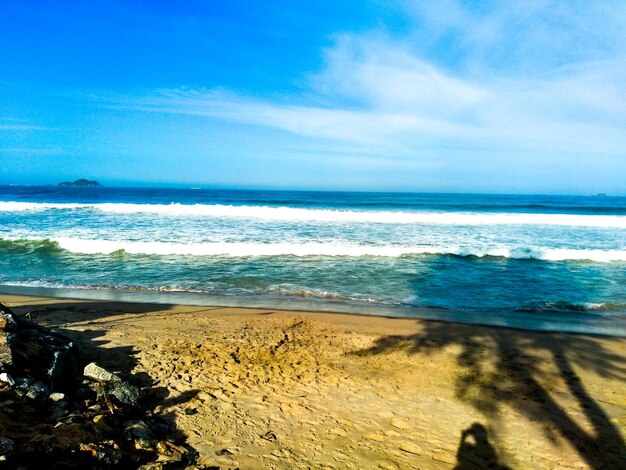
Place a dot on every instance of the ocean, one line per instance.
(553, 263)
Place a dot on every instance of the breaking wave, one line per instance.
(547, 307)
(290, 214)
(105, 247)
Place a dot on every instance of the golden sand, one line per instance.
(255, 388)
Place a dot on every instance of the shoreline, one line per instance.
(266, 388)
(555, 322)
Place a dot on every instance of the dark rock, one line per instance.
(37, 391)
(21, 389)
(161, 428)
(138, 433)
(97, 407)
(58, 410)
(107, 456)
(6, 355)
(123, 393)
(38, 371)
(6, 408)
(7, 447)
(83, 394)
(8, 322)
(103, 425)
(23, 382)
(47, 356)
(63, 367)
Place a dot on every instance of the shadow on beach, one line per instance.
(93, 347)
(475, 450)
(504, 366)
(61, 315)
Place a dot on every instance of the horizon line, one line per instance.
(212, 187)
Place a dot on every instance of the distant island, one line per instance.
(81, 182)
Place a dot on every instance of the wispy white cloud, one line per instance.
(521, 37)
(388, 96)
(384, 76)
(50, 151)
(394, 100)
(13, 124)
(20, 127)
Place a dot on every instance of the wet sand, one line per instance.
(258, 388)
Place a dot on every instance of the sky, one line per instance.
(447, 96)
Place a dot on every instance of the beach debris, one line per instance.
(100, 374)
(167, 447)
(269, 436)
(170, 452)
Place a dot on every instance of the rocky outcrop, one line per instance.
(55, 415)
(31, 352)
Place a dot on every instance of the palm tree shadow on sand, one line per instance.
(502, 366)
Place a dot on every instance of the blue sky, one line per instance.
(501, 96)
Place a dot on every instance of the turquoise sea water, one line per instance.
(545, 262)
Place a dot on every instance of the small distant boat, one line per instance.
(599, 195)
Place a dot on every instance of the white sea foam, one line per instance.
(290, 214)
(15, 206)
(84, 246)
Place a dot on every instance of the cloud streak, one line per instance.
(549, 111)
(375, 92)
(19, 125)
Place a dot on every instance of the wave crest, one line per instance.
(555, 307)
(108, 247)
(291, 214)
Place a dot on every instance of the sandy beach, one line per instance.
(255, 388)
